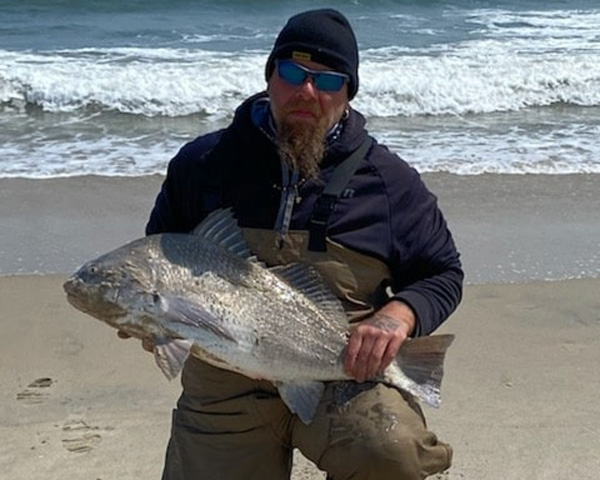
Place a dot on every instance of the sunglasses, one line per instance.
(295, 74)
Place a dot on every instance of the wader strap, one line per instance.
(319, 219)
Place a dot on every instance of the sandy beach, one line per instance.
(520, 395)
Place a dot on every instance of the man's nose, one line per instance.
(307, 90)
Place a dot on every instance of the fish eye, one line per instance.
(155, 297)
(93, 269)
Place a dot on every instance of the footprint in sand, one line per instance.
(79, 436)
(36, 392)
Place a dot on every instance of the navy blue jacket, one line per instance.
(390, 216)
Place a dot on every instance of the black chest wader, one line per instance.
(230, 427)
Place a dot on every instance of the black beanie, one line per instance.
(324, 36)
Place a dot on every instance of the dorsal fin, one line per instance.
(221, 227)
(309, 282)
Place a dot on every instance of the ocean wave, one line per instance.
(548, 24)
(135, 81)
(453, 84)
(481, 77)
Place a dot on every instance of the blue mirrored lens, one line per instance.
(329, 82)
(291, 73)
(295, 74)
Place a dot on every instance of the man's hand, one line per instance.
(147, 344)
(375, 341)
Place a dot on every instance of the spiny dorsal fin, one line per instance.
(308, 281)
(221, 228)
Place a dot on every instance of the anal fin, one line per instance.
(302, 398)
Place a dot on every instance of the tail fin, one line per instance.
(421, 361)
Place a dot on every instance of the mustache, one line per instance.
(306, 106)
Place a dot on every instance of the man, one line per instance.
(308, 184)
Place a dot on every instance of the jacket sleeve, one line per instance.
(182, 200)
(165, 216)
(426, 266)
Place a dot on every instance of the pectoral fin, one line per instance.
(171, 355)
(182, 310)
(302, 398)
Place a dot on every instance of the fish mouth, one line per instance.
(73, 287)
(91, 300)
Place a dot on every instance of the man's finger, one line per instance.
(148, 345)
(352, 349)
(377, 354)
(361, 366)
(390, 354)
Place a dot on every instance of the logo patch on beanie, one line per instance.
(301, 56)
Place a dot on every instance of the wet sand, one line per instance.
(508, 227)
(520, 391)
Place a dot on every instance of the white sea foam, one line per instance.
(560, 150)
(107, 156)
(479, 77)
(514, 144)
(481, 83)
(135, 81)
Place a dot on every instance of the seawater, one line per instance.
(468, 87)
